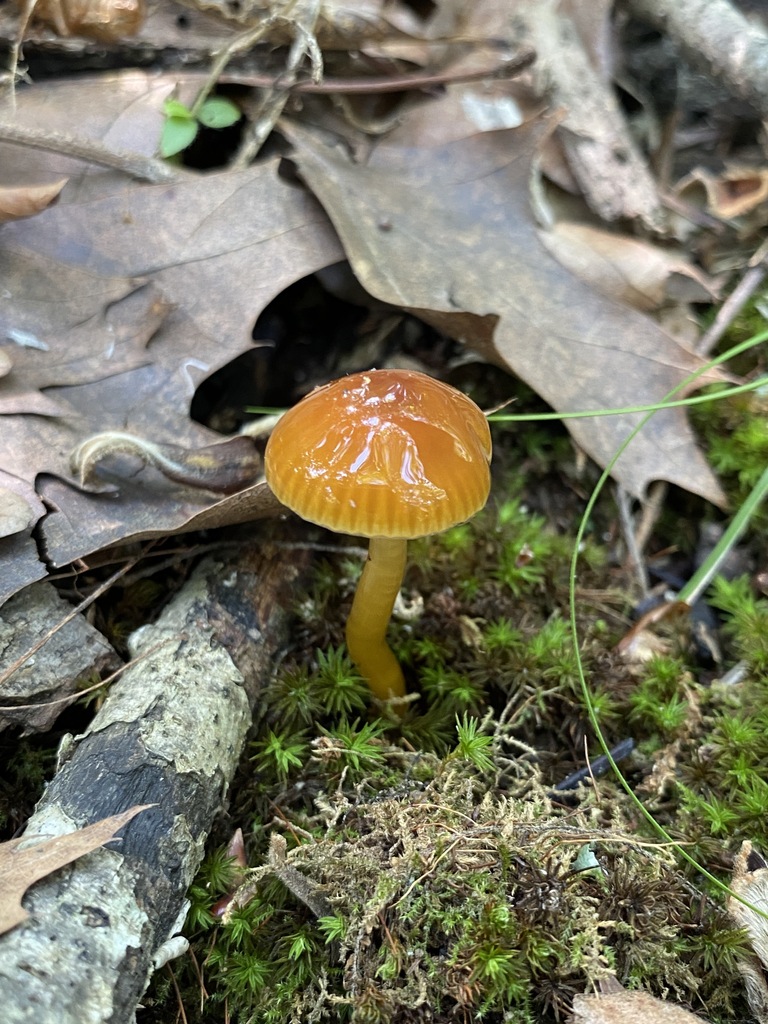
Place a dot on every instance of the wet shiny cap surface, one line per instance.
(385, 453)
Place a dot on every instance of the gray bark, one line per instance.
(73, 653)
(602, 155)
(170, 733)
(717, 37)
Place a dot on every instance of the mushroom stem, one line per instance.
(370, 614)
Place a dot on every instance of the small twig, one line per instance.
(602, 154)
(700, 218)
(508, 68)
(26, 9)
(630, 539)
(171, 559)
(70, 697)
(715, 35)
(200, 979)
(144, 168)
(652, 507)
(733, 305)
(272, 105)
(177, 991)
(241, 43)
(303, 888)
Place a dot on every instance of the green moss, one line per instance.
(747, 622)
(449, 896)
(721, 788)
(735, 434)
(660, 702)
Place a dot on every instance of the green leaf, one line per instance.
(178, 133)
(172, 108)
(218, 113)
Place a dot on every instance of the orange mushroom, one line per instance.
(389, 455)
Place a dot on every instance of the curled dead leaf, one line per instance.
(736, 192)
(83, 523)
(640, 644)
(223, 468)
(27, 200)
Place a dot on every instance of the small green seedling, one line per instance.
(182, 123)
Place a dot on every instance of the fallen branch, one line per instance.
(605, 160)
(717, 37)
(170, 733)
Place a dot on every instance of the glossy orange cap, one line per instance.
(386, 453)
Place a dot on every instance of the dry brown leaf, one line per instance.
(146, 509)
(168, 26)
(629, 270)
(447, 232)
(26, 201)
(25, 861)
(736, 192)
(124, 299)
(103, 20)
(70, 327)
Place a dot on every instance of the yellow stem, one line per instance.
(369, 618)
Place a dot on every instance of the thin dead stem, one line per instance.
(143, 168)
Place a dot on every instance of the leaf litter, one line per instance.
(442, 230)
(133, 297)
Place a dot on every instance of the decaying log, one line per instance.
(170, 733)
